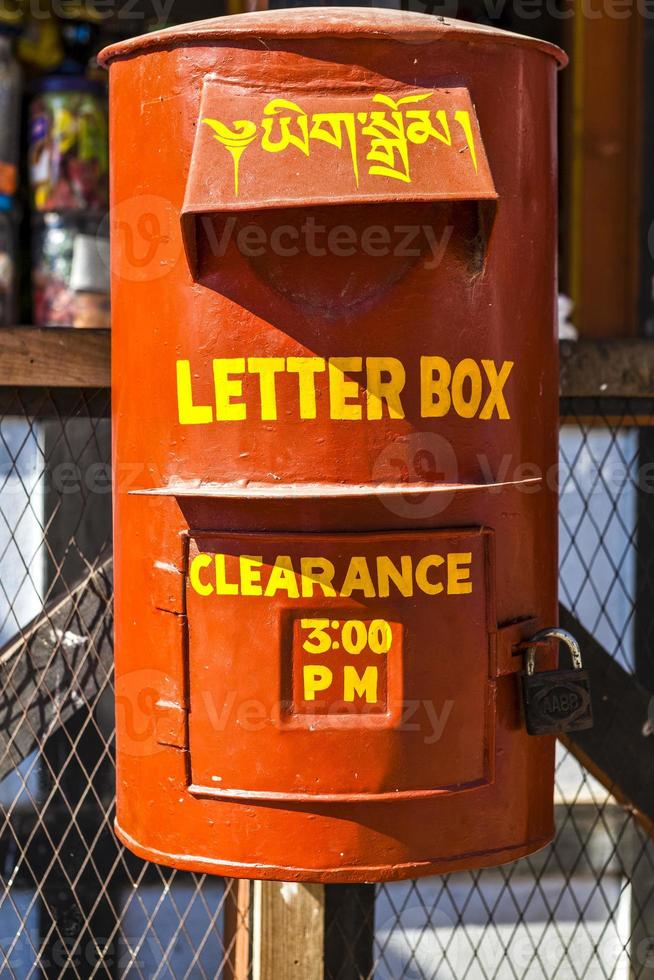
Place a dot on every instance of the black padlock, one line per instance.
(556, 701)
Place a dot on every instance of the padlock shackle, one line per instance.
(553, 633)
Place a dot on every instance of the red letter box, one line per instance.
(335, 415)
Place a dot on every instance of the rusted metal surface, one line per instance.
(344, 503)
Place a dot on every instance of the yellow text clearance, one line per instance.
(359, 577)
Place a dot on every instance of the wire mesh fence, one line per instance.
(583, 907)
(74, 903)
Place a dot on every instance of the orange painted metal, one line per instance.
(335, 417)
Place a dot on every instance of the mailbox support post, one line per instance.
(288, 931)
(237, 928)
(284, 915)
(349, 931)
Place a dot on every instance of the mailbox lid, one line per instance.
(382, 690)
(338, 22)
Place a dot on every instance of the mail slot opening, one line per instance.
(369, 248)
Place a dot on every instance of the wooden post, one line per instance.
(237, 929)
(262, 935)
(288, 931)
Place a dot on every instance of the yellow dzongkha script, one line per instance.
(386, 131)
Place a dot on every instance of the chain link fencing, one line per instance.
(584, 906)
(75, 903)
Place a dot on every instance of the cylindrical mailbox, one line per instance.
(335, 417)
